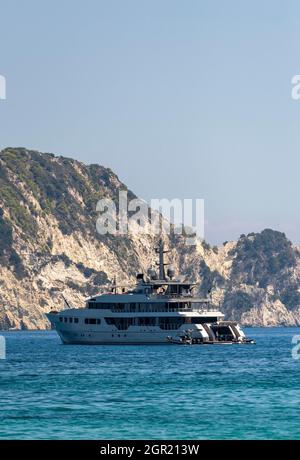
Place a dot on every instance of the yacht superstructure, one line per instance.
(159, 309)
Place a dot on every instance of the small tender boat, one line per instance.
(181, 339)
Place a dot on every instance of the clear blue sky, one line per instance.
(182, 99)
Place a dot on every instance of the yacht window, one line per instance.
(75, 320)
(168, 323)
(92, 321)
(102, 306)
(203, 319)
(66, 319)
(120, 323)
(60, 319)
(148, 321)
(174, 289)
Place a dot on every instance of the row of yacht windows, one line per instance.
(140, 307)
(68, 319)
(92, 321)
(165, 323)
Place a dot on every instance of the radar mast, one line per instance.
(160, 250)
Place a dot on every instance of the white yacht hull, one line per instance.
(105, 334)
(101, 338)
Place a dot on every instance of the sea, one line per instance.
(53, 391)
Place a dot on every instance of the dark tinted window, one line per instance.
(92, 321)
(201, 320)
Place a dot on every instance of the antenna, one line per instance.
(66, 302)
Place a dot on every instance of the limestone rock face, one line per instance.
(49, 246)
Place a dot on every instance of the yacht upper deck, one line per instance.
(155, 292)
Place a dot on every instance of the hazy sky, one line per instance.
(182, 99)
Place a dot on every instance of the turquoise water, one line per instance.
(54, 391)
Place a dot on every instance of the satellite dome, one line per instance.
(152, 274)
(171, 272)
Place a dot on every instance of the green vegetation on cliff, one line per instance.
(259, 257)
(65, 188)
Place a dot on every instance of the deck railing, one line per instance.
(152, 309)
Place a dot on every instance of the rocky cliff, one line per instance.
(49, 246)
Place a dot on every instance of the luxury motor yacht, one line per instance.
(159, 309)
